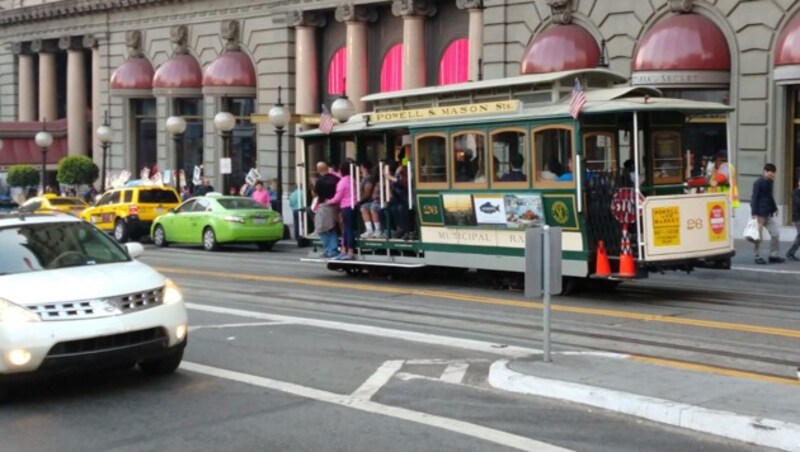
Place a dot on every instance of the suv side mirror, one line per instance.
(135, 249)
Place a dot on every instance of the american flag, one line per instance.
(325, 121)
(578, 100)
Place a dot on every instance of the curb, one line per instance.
(762, 432)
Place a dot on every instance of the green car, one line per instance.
(215, 220)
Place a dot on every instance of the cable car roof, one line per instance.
(623, 99)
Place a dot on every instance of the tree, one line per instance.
(77, 170)
(22, 176)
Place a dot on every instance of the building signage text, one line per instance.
(507, 106)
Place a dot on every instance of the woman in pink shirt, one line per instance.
(261, 195)
(344, 200)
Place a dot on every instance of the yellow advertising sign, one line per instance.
(667, 226)
(506, 106)
(686, 226)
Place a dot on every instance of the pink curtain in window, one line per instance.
(337, 71)
(392, 69)
(454, 65)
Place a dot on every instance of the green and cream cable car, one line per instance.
(486, 160)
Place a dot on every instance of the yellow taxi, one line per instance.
(129, 212)
(50, 202)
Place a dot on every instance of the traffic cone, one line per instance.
(602, 267)
(627, 267)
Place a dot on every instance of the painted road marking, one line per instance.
(409, 336)
(460, 427)
(711, 324)
(233, 325)
(377, 380)
(454, 372)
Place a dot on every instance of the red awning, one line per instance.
(134, 77)
(19, 145)
(230, 73)
(561, 48)
(178, 76)
(787, 54)
(683, 42)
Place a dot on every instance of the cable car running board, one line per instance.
(360, 262)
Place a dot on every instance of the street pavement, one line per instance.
(721, 402)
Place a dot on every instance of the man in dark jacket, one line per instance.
(796, 219)
(764, 209)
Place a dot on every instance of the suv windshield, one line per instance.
(47, 246)
(157, 197)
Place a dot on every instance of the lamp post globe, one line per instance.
(176, 125)
(279, 116)
(342, 109)
(104, 134)
(224, 121)
(44, 139)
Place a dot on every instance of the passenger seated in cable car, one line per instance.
(515, 173)
(567, 176)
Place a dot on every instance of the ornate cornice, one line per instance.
(469, 4)
(67, 8)
(681, 6)
(298, 18)
(402, 8)
(348, 12)
(20, 48)
(561, 11)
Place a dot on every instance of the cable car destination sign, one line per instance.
(504, 106)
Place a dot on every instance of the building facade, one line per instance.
(70, 61)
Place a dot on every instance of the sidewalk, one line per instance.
(764, 413)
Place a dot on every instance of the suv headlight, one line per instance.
(11, 313)
(171, 293)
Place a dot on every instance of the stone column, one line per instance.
(475, 8)
(413, 13)
(26, 94)
(306, 67)
(76, 95)
(92, 42)
(47, 79)
(357, 81)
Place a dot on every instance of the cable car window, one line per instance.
(432, 160)
(509, 164)
(553, 157)
(469, 158)
(599, 151)
(667, 162)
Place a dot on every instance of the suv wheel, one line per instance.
(163, 365)
(159, 236)
(121, 231)
(210, 240)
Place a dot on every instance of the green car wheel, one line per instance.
(210, 239)
(159, 236)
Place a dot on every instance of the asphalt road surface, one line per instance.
(287, 356)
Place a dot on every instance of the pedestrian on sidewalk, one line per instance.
(791, 254)
(764, 209)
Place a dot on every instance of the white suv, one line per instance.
(71, 297)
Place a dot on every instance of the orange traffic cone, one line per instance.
(627, 267)
(603, 268)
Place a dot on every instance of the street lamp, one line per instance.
(342, 109)
(176, 125)
(224, 122)
(105, 134)
(279, 117)
(44, 139)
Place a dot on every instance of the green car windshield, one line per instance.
(240, 204)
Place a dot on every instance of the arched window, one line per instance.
(392, 69)
(337, 71)
(454, 65)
